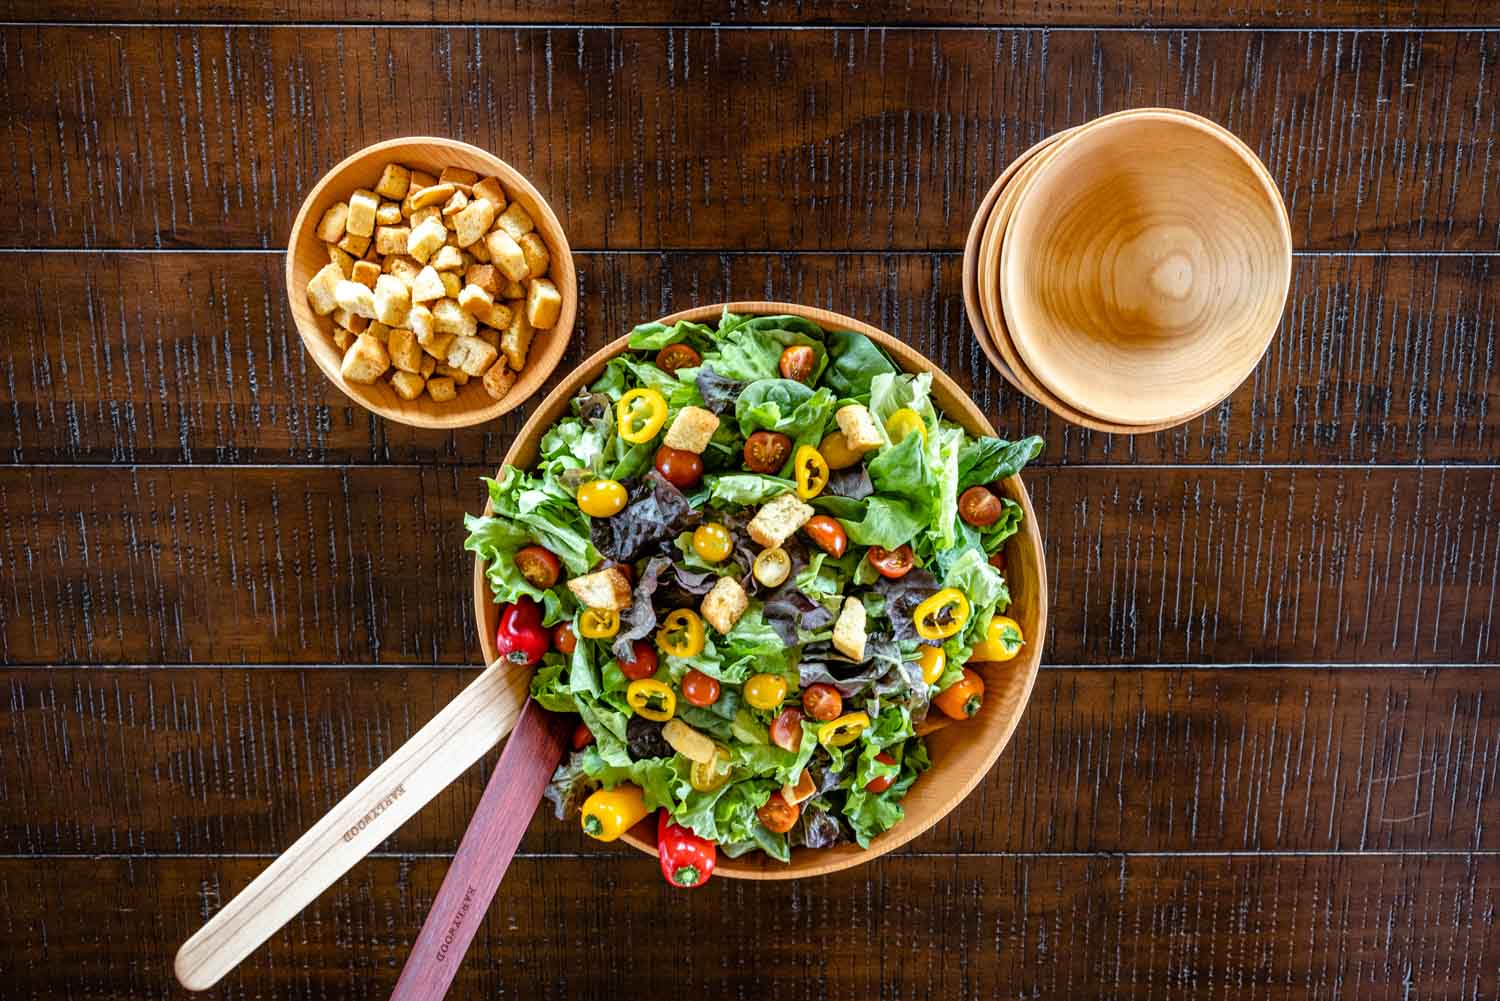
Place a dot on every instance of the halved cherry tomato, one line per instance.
(797, 363)
(582, 736)
(679, 467)
(786, 729)
(933, 660)
(675, 356)
(681, 633)
(904, 422)
(811, 471)
(699, 689)
(778, 816)
(602, 498)
(713, 542)
(563, 640)
(772, 566)
(598, 623)
(538, 565)
(822, 702)
(765, 691)
(642, 662)
(979, 507)
(640, 414)
(881, 783)
(963, 698)
(891, 563)
(837, 453)
(828, 534)
(706, 776)
(997, 560)
(766, 451)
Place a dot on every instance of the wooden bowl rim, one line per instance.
(538, 366)
(1009, 260)
(826, 860)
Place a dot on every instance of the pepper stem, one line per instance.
(972, 705)
(685, 875)
(592, 827)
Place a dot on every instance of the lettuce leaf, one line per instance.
(854, 362)
(985, 460)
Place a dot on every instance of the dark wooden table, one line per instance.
(1261, 759)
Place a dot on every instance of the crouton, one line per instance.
(849, 629)
(723, 606)
(452, 283)
(331, 226)
(607, 590)
(354, 246)
(448, 259)
(778, 520)
(356, 298)
(360, 219)
(490, 336)
(344, 260)
(394, 180)
(479, 252)
(379, 331)
(428, 366)
(322, 291)
(543, 303)
(426, 237)
(515, 221)
(538, 257)
(448, 317)
(365, 272)
(429, 212)
(437, 345)
(801, 790)
(352, 322)
(692, 430)
(391, 239)
(441, 389)
(516, 340)
(486, 276)
(366, 361)
(500, 316)
(435, 195)
(403, 267)
(471, 354)
(860, 430)
(458, 375)
(389, 214)
(498, 380)
(489, 188)
(506, 255)
(408, 385)
(457, 175)
(342, 338)
(474, 221)
(392, 300)
(427, 286)
(405, 351)
(420, 179)
(512, 290)
(476, 300)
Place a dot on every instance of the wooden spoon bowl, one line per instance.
(961, 753)
(306, 254)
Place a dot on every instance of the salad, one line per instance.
(753, 560)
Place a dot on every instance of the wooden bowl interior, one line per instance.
(961, 753)
(306, 255)
(1145, 267)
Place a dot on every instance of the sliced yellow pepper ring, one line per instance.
(640, 414)
(706, 776)
(681, 634)
(941, 615)
(609, 813)
(598, 623)
(844, 730)
(902, 423)
(651, 699)
(812, 472)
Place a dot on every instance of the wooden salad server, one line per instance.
(436, 755)
(531, 755)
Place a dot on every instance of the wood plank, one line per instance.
(192, 357)
(648, 138)
(1273, 926)
(243, 760)
(1147, 565)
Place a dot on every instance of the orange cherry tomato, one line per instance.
(563, 639)
(822, 702)
(538, 565)
(675, 356)
(700, 689)
(778, 815)
(828, 534)
(766, 451)
(963, 698)
(582, 736)
(979, 507)
(643, 661)
(786, 730)
(881, 783)
(797, 363)
(891, 563)
(679, 467)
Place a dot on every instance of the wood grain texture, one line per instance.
(226, 760)
(1144, 565)
(1272, 926)
(820, 139)
(192, 358)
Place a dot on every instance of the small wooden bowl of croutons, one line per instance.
(431, 282)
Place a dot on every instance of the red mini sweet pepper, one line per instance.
(521, 638)
(686, 859)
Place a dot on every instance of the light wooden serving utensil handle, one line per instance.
(458, 736)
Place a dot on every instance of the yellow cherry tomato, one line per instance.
(843, 731)
(836, 451)
(903, 422)
(772, 567)
(680, 634)
(609, 813)
(765, 691)
(706, 776)
(712, 542)
(941, 615)
(812, 472)
(1002, 641)
(640, 414)
(651, 699)
(598, 623)
(601, 498)
(933, 659)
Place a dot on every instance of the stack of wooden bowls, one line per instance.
(1129, 274)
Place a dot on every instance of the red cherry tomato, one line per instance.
(767, 451)
(979, 507)
(563, 639)
(998, 560)
(882, 782)
(700, 689)
(828, 534)
(537, 564)
(582, 736)
(891, 563)
(675, 356)
(778, 815)
(822, 702)
(679, 467)
(643, 662)
(786, 731)
(797, 363)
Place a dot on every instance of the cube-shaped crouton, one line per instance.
(435, 195)
(448, 317)
(516, 221)
(489, 188)
(490, 336)
(692, 429)
(405, 352)
(452, 283)
(420, 179)
(343, 260)
(419, 216)
(419, 319)
(538, 257)
(486, 276)
(471, 354)
(356, 298)
(453, 206)
(543, 303)
(474, 221)
(322, 290)
(778, 520)
(342, 338)
(506, 255)
(513, 290)
(426, 238)
(352, 322)
(354, 246)
(607, 590)
(392, 300)
(723, 606)
(394, 180)
(458, 175)
(427, 286)
(437, 345)
(476, 300)
(441, 389)
(479, 252)
(500, 316)
(366, 361)
(498, 380)
(408, 385)
(403, 267)
(860, 431)
(458, 375)
(379, 331)
(849, 630)
(331, 226)
(516, 340)
(429, 364)
(391, 239)
(389, 214)
(361, 218)
(366, 273)
(448, 259)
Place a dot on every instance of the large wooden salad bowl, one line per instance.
(961, 753)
